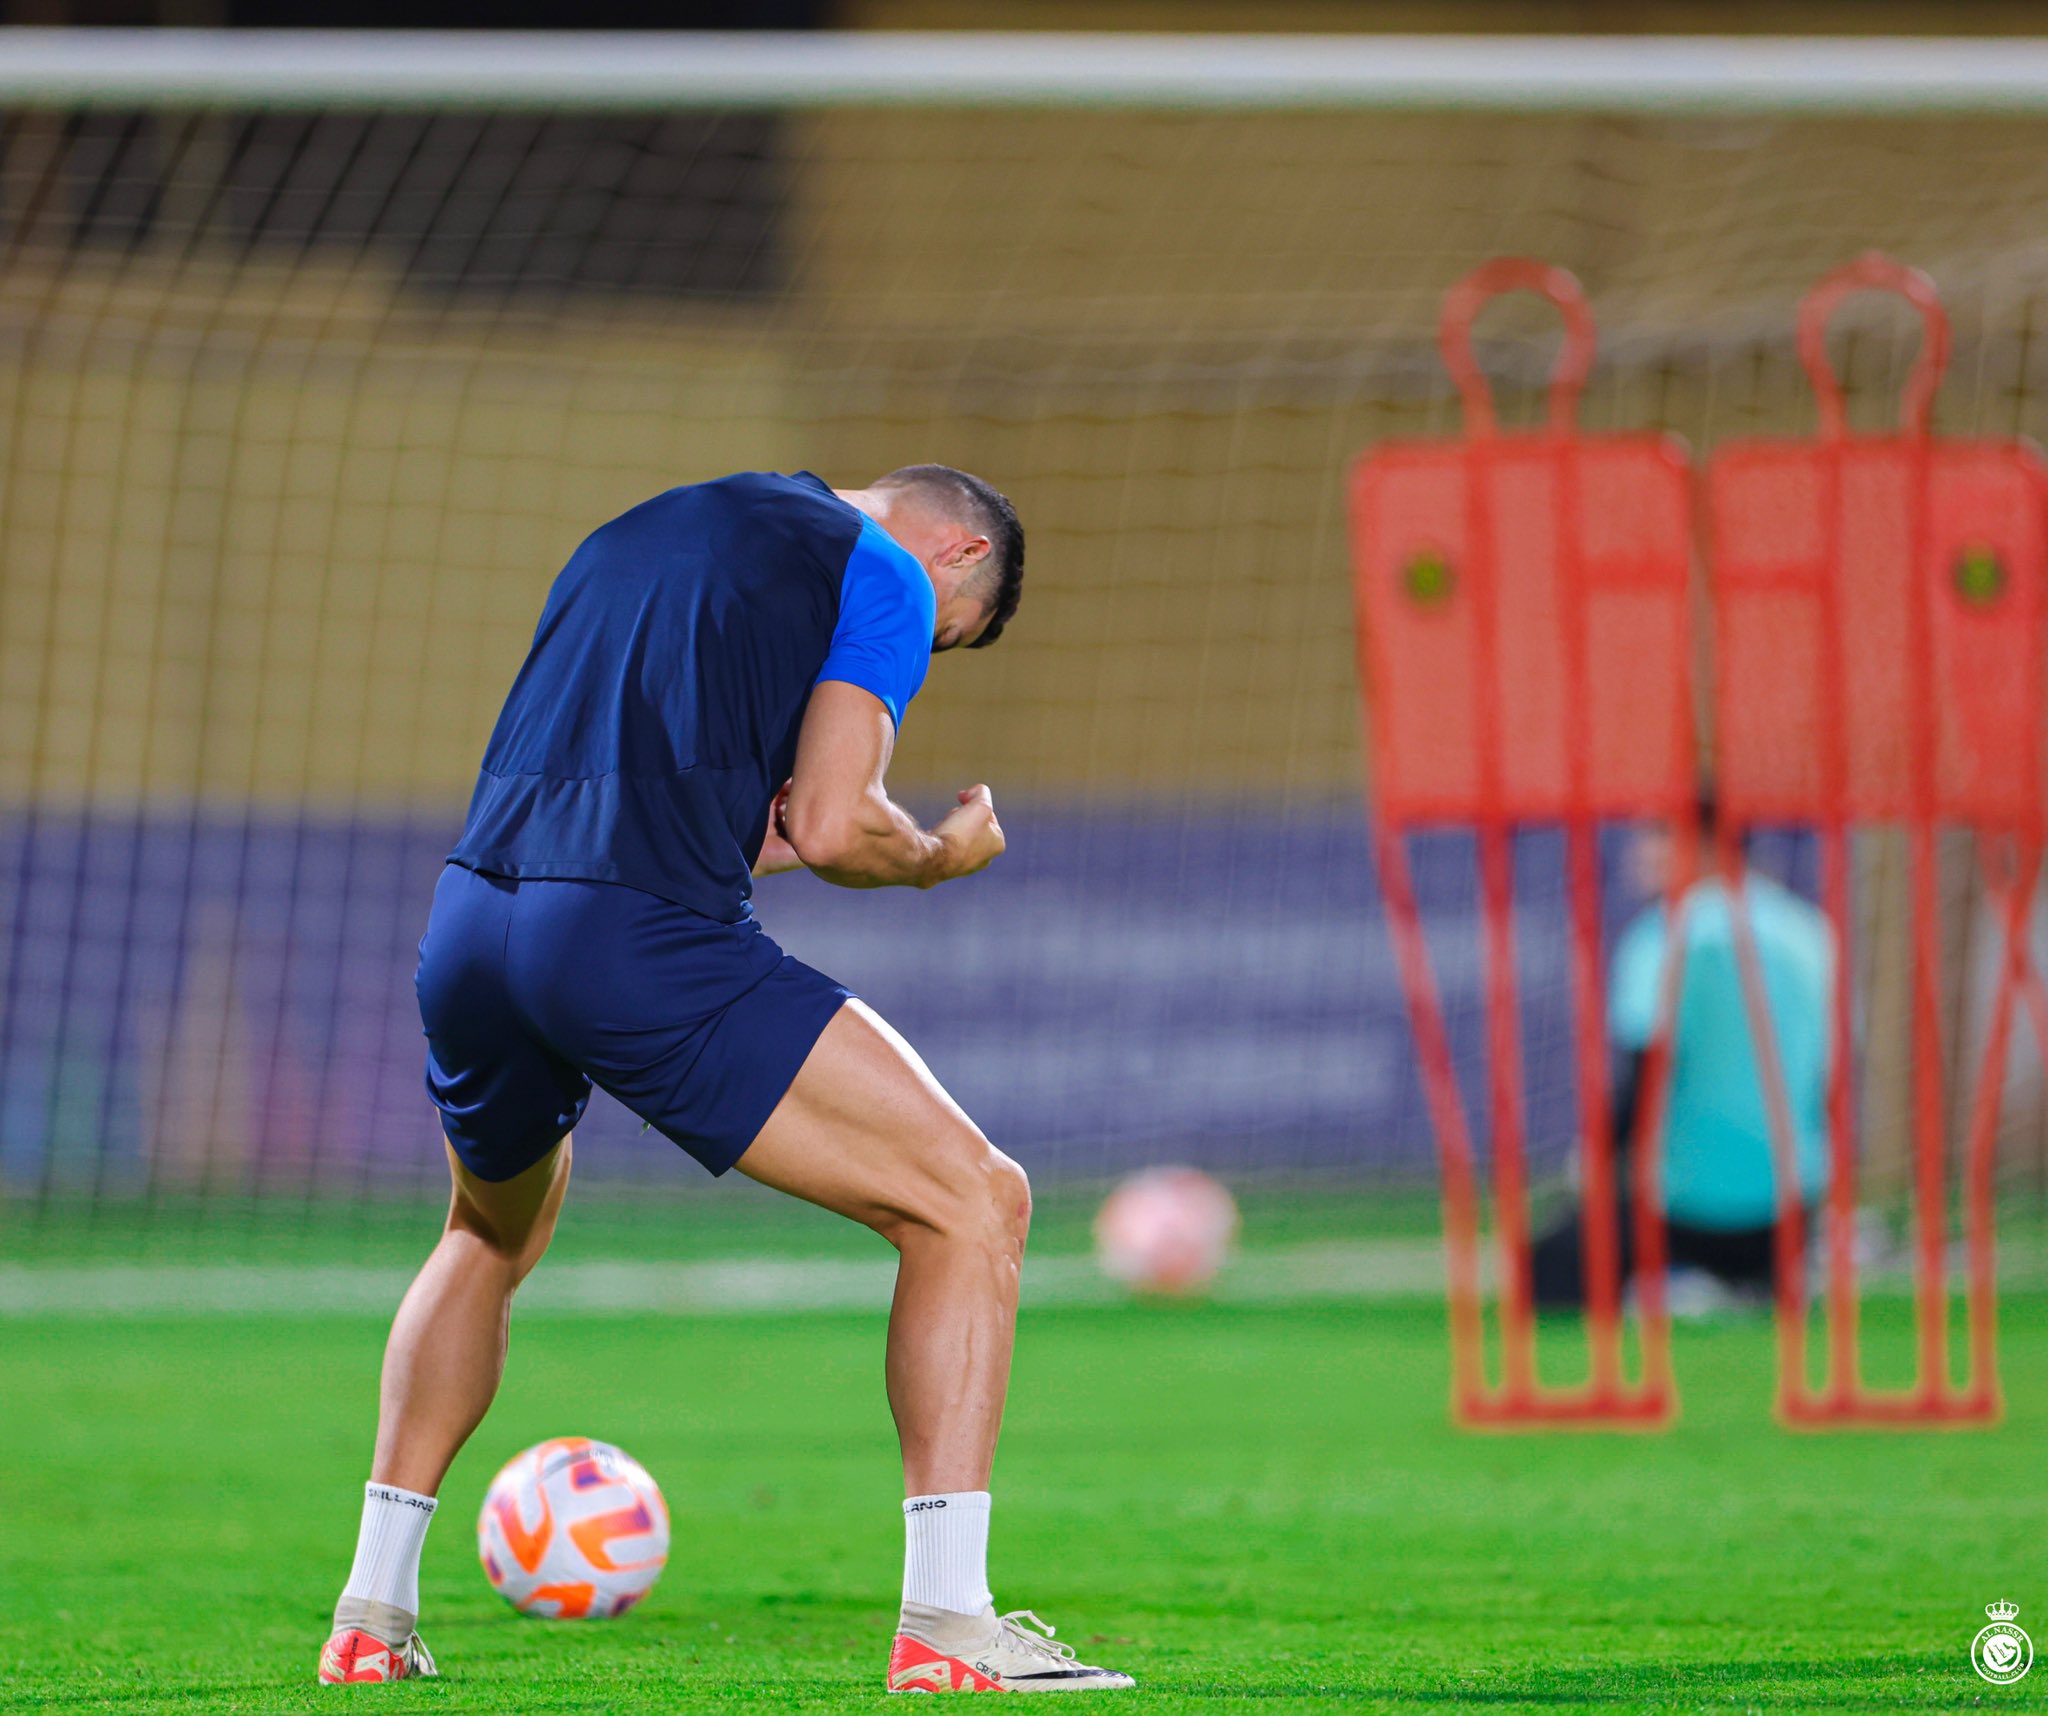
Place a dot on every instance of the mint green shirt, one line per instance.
(1717, 1150)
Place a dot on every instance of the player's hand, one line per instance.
(777, 854)
(972, 837)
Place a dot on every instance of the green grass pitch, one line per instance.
(1249, 1507)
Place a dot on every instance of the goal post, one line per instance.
(318, 354)
(500, 70)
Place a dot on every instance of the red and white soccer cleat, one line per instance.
(939, 1651)
(915, 1666)
(353, 1656)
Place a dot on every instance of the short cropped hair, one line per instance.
(984, 506)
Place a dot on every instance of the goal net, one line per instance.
(314, 366)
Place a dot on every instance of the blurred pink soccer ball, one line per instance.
(1166, 1230)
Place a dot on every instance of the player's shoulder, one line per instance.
(797, 506)
(796, 493)
(1710, 903)
(798, 511)
(879, 569)
(1789, 909)
(1643, 935)
(1794, 923)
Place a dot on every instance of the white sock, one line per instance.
(945, 1551)
(387, 1568)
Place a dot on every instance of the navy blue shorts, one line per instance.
(533, 991)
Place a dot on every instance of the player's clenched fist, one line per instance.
(972, 836)
(777, 855)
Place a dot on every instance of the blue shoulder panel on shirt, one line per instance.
(887, 612)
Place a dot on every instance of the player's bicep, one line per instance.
(842, 755)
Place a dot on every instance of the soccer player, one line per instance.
(713, 693)
(1719, 1184)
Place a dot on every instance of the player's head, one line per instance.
(1656, 853)
(1706, 810)
(971, 543)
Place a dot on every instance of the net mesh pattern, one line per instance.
(299, 414)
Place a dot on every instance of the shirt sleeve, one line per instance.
(883, 641)
(1633, 983)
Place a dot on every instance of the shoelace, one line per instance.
(1041, 1641)
(418, 1659)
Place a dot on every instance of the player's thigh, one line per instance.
(867, 1131)
(514, 1217)
(506, 1098)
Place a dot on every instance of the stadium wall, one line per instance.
(279, 530)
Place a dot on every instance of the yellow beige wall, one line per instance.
(281, 532)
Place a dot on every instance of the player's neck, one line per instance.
(911, 528)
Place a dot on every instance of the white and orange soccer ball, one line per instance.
(573, 1530)
(1166, 1230)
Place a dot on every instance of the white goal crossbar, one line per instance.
(272, 69)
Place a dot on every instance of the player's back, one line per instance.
(658, 708)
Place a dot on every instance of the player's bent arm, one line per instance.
(840, 820)
(777, 855)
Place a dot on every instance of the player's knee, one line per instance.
(514, 1246)
(1013, 1198)
(514, 1220)
(970, 1193)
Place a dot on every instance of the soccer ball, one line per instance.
(573, 1530)
(1166, 1230)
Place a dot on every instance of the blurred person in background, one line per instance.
(1719, 1188)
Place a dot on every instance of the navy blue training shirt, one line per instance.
(657, 712)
